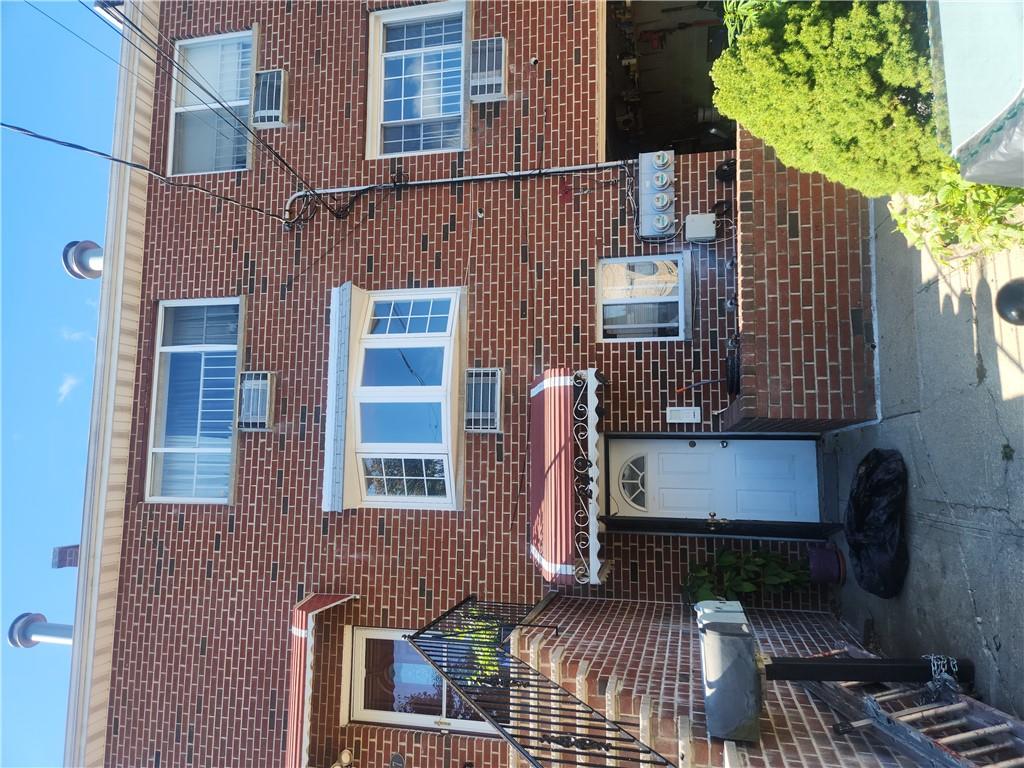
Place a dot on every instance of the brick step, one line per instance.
(636, 714)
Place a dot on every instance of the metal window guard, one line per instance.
(543, 722)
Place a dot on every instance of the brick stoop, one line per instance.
(638, 664)
(648, 720)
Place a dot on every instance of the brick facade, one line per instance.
(200, 666)
(808, 340)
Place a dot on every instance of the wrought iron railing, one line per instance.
(468, 645)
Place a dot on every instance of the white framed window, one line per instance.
(193, 412)
(393, 684)
(416, 85)
(487, 70)
(401, 399)
(204, 136)
(483, 400)
(644, 298)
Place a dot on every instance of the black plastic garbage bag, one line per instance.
(874, 523)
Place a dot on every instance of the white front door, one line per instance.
(736, 479)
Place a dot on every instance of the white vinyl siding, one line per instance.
(643, 298)
(417, 88)
(193, 422)
(205, 138)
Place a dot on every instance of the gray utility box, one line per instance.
(732, 673)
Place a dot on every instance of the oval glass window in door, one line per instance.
(632, 481)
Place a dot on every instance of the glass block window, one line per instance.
(206, 138)
(421, 97)
(192, 435)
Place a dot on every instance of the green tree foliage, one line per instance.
(839, 88)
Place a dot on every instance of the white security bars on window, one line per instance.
(487, 70)
(421, 107)
(194, 404)
(254, 409)
(483, 400)
(204, 138)
(268, 99)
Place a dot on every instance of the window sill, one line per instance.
(184, 500)
(207, 173)
(447, 506)
(481, 734)
(382, 156)
(647, 339)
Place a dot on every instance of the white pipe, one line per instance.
(561, 170)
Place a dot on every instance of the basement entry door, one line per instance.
(773, 480)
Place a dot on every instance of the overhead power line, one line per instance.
(145, 169)
(244, 124)
(150, 83)
(169, 71)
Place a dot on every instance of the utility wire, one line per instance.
(145, 169)
(141, 79)
(244, 124)
(169, 70)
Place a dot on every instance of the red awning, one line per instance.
(300, 671)
(552, 543)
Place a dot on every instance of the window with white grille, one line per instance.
(256, 391)
(483, 400)
(192, 434)
(269, 99)
(206, 137)
(487, 70)
(416, 79)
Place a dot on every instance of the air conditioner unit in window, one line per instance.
(256, 397)
(487, 70)
(269, 99)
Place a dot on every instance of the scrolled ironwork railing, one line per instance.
(468, 646)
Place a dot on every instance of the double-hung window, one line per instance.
(644, 298)
(205, 137)
(391, 683)
(192, 431)
(402, 399)
(417, 93)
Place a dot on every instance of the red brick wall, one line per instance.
(200, 666)
(805, 298)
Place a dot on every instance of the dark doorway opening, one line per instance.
(658, 78)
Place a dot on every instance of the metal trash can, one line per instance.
(732, 676)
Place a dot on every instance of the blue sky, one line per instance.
(54, 84)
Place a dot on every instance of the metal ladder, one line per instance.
(954, 730)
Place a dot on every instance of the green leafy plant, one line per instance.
(739, 15)
(845, 89)
(838, 88)
(731, 574)
(960, 220)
